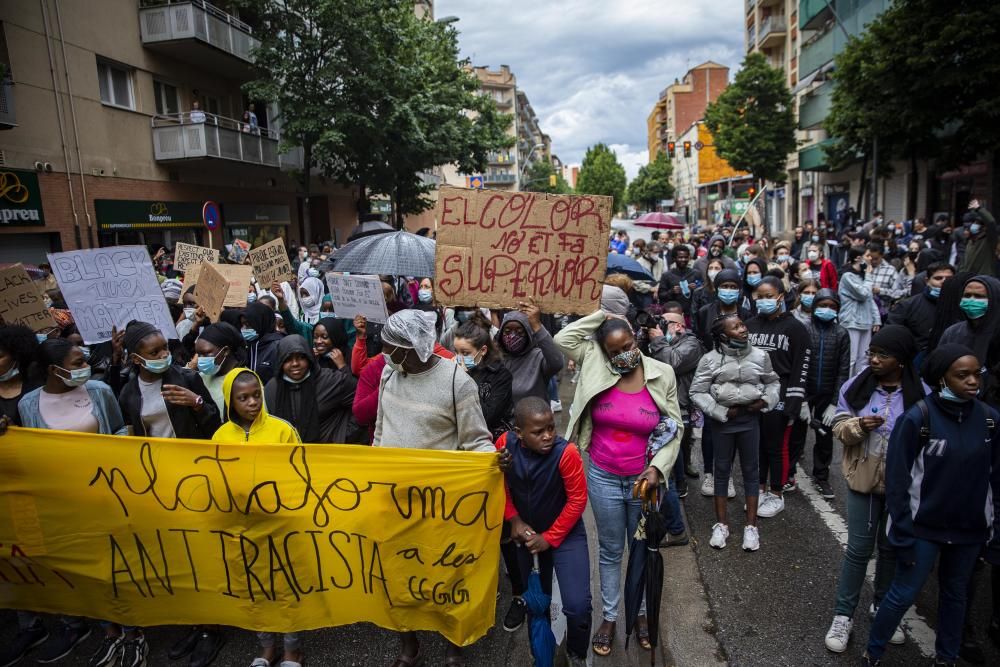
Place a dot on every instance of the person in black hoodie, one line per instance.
(162, 400)
(681, 280)
(476, 352)
(917, 313)
(980, 305)
(943, 494)
(753, 274)
(318, 401)
(258, 326)
(529, 352)
(786, 341)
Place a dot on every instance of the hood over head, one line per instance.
(227, 393)
(261, 318)
(827, 293)
(295, 344)
(614, 301)
(522, 319)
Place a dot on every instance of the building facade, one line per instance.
(130, 115)
(683, 103)
(706, 187)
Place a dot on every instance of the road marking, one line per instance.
(914, 625)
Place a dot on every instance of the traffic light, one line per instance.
(552, 180)
(687, 149)
(671, 147)
(751, 192)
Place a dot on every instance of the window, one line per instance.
(166, 97)
(116, 85)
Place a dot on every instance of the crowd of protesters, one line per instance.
(883, 337)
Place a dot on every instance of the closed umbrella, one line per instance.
(644, 575)
(625, 264)
(392, 253)
(543, 642)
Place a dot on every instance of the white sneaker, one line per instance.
(839, 634)
(732, 489)
(556, 406)
(771, 505)
(719, 534)
(708, 485)
(898, 636)
(751, 538)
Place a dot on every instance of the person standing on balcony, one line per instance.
(196, 115)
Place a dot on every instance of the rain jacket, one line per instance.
(829, 359)
(731, 378)
(980, 256)
(265, 428)
(682, 354)
(532, 368)
(577, 343)
(858, 309)
(701, 264)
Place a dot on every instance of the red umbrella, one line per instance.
(658, 220)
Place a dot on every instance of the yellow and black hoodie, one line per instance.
(265, 429)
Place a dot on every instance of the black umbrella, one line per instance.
(392, 253)
(370, 228)
(644, 575)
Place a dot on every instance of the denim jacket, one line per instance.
(105, 409)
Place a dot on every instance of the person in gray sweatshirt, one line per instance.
(530, 354)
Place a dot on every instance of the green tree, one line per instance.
(602, 174)
(752, 121)
(538, 178)
(652, 184)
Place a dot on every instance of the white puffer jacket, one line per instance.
(732, 378)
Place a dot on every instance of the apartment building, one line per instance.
(706, 187)
(683, 103)
(533, 145)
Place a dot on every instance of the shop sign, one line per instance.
(20, 199)
(115, 214)
(257, 214)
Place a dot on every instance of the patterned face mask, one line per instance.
(625, 362)
(515, 341)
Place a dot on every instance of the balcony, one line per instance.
(500, 178)
(500, 158)
(813, 158)
(819, 52)
(178, 137)
(772, 31)
(815, 107)
(198, 33)
(750, 5)
(813, 14)
(7, 119)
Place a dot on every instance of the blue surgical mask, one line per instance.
(312, 272)
(807, 300)
(784, 258)
(975, 228)
(299, 381)
(728, 295)
(947, 394)
(209, 365)
(158, 366)
(77, 377)
(249, 334)
(41, 337)
(251, 297)
(767, 306)
(934, 292)
(753, 279)
(425, 296)
(12, 372)
(825, 314)
(815, 238)
(86, 352)
(470, 362)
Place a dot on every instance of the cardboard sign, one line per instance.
(238, 251)
(238, 277)
(270, 263)
(211, 291)
(109, 287)
(496, 249)
(186, 255)
(269, 537)
(21, 301)
(357, 295)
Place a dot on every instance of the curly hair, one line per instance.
(20, 343)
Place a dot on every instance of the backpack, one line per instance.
(925, 428)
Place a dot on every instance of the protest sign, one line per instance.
(357, 295)
(238, 251)
(21, 301)
(106, 287)
(186, 255)
(496, 249)
(271, 537)
(211, 290)
(239, 277)
(270, 263)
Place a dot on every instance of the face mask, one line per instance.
(303, 254)
(974, 308)
(747, 258)
(299, 381)
(312, 273)
(307, 301)
(463, 316)
(815, 238)
(784, 258)
(975, 228)
(210, 365)
(825, 314)
(712, 274)
(249, 335)
(729, 295)
(934, 292)
(158, 366)
(12, 373)
(77, 377)
(753, 279)
(669, 337)
(948, 395)
(468, 362)
(41, 337)
(425, 295)
(251, 297)
(398, 367)
(86, 352)
(767, 306)
(807, 300)
(813, 255)
(714, 252)
(515, 342)
(735, 344)
(625, 362)
(189, 313)
(47, 302)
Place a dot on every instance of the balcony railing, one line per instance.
(7, 118)
(815, 107)
(196, 135)
(173, 20)
(500, 178)
(501, 158)
(818, 52)
(773, 25)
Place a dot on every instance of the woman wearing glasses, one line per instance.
(869, 405)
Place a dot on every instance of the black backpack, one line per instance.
(925, 428)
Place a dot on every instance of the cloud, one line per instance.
(592, 69)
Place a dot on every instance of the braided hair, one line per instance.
(717, 328)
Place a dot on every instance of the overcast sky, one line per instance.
(592, 69)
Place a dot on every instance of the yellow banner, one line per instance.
(265, 537)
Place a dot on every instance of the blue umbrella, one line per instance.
(625, 264)
(543, 642)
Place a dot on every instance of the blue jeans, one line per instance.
(866, 517)
(553, 388)
(616, 514)
(954, 571)
(670, 508)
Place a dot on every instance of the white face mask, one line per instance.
(712, 274)
(813, 255)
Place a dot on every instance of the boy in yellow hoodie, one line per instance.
(249, 422)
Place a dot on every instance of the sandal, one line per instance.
(409, 660)
(601, 642)
(642, 633)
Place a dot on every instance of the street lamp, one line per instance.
(447, 20)
(527, 161)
